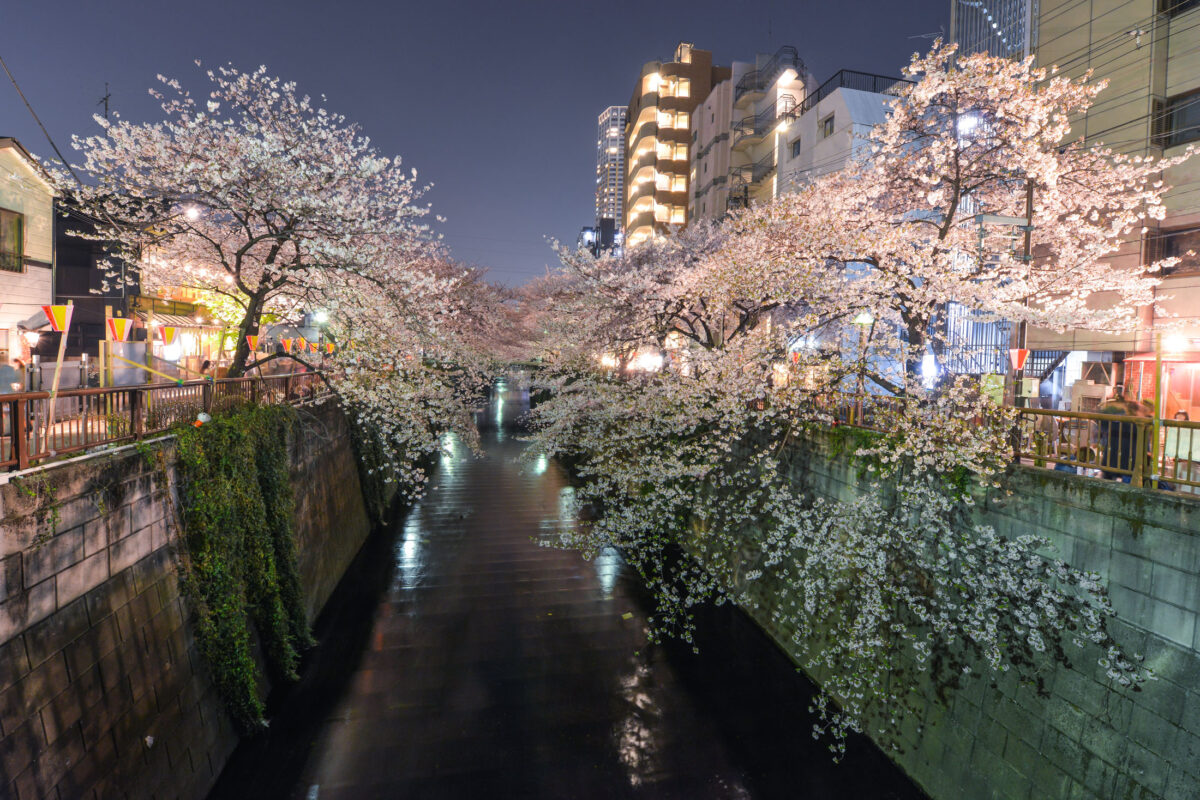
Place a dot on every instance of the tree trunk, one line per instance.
(249, 324)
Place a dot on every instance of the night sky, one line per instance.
(493, 102)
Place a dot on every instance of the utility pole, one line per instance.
(104, 100)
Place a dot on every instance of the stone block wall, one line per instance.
(1087, 740)
(103, 693)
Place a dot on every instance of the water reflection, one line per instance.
(608, 566)
(410, 565)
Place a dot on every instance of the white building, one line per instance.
(831, 126)
(610, 164)
(26, 244)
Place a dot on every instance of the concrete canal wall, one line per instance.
(1085, 740)
(102, 690)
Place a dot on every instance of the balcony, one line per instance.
(859, 81)
(755, 82)
(752, 130)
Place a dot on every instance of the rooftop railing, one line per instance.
(860, 81)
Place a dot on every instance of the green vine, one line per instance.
(240, 560)
(45, 503)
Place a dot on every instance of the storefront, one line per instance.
(1180, 381)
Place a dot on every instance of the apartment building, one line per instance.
(832, 125)
(610, 164)
(26, 246)
(1149, 52)
(658, 140)
(1005, 28)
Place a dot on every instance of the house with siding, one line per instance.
(26, 244)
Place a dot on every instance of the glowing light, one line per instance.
(609, 361)
(864, 318)
(782, 126)
(1175, 343)
(172, 352)
(967, 123)
(647, 362)
(192, 213)
(31, 338)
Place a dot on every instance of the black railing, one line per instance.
(859, 81)
(757, 80)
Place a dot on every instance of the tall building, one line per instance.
(998, 27)
(1146, 50)
(26, 247)
(658, 140)
(610, 164)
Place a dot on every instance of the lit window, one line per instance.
(682, 120)
(679, 184)
(663, 182)
(678, 215)
(681, 152)
(684, 89)
(662, 213)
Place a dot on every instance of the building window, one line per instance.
(796, 149)
(1173, 8)
(12, 241)
(685, 87)
(1182, 243)
(826, 127)
(678, 215)
(1178, 120)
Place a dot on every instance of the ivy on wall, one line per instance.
(239, 565)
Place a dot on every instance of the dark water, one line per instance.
(460, 659)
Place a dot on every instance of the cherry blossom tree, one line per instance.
(255, 194)
(899, 584)
(934, 214)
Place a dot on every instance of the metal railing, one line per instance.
(757, 80)
(87, 418)
(1103, 446)
(860, 81)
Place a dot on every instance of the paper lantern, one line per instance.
(287, 345)
(167, 332)
(301, 343)
(252, 340)
(329, 348)
(119, 328)
(1017, 356)
(312, 346)
(59, 316)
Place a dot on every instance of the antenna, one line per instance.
(104, 100)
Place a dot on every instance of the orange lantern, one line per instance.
(118, 329)
(252, 340)
(59, 316)
(287, 345)
(312, 346)
(301, 344)
(1017, 356)
(167, 332)
(329, 348)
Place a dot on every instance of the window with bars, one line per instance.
(12, 241)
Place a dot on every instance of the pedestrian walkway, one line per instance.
(498, 668)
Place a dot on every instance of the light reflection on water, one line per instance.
(410, 563)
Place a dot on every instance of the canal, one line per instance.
(462, 658)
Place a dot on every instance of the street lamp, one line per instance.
(862, 321)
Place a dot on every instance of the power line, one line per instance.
(58, 152)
